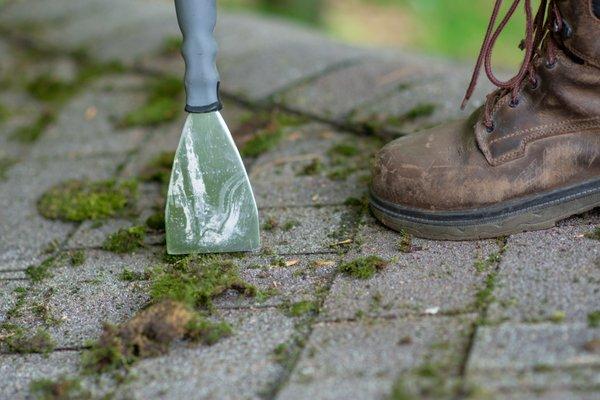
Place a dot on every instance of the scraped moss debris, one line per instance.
(595, 234)
(163, 104)
(77, 200)
(149, 334)
(594, 319)
(270, 135)
(364, 267)
(40, 341)
(63, 388)
(195, 281)
(125, 240)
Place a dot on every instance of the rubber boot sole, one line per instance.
(541, 211)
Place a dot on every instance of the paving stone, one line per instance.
(437, 278)
(86, 126)
(80, 299)
(24, 233)
(339, 92)
(547, 395)
(239, 367)
(543, 346)
(302, 280)
(550, 274)
(362, 359)
(18, 370)
(422, 103)
(279, 177)
(315, 230)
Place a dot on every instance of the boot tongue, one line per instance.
(581, 29)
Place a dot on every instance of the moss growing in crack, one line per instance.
(315, 167)
(271, 134)
(344, 150)
(31, 133)
(125, 240)
(77, 257)
(364, 267)
(484, 265)
(39, 342)
(149, 334)
(162, 105)
(159, 168)
(156, 221)
(195, 281)
(558, 317)
(41, 271)
(5, 164)
(4, 113)
(128, 275)
(485, 295)
(405, 243)
(50, 89)
(595, 234)
(63, 388)
(290, 224)
(270, 224)
(78, 200)
(594, 319)
(301, 308)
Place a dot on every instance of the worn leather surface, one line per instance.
(549, 140)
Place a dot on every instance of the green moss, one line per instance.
(78, 200)
(156, 221)
(364, 267)
(343, 149)
(271, 135)
(281, 353)
(41, 271)
(270, 224)
(125, 240)
(31, 133)
(206, 332)
(4, 113)
(48, 88)
(61, 389)
(301, 308)
(162, 105)
(419, 111)
(39, 342)
(77, 257)
(159, 168)
(594, 319)
(290, 224)
(484, 265)
(595, 234)
(558, 317)
(195, 281)
(485, 295)
(405, 243)
(16, 309)
(314, 168)
(5, 164)
(128, 275)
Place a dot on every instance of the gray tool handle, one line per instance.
(197, 19)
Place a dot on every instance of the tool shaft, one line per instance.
(197, 20)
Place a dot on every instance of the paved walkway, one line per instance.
(86, 95)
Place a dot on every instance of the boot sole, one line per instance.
(532, 213)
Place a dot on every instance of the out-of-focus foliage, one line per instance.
(453, 28)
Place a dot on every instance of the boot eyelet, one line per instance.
(491, 128)
(513, 103)
(534, 84)
(567, 31)
(551, 64)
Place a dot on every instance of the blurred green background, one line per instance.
(452, 28)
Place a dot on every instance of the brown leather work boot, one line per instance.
(526, 160)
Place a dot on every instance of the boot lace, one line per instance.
(538, 40)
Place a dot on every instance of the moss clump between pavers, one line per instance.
(125, 240)
(594, 319)
(271, 135)
(149, 334)
(162, 105)
(301, 308)
(19, 341)
(41, 271)
(77, 258)
(5, 164)
(156, 221)
(196, 281)
(30, 133)
(63, 388)
(364, 267)
(78, 201)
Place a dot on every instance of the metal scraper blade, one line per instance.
(210, 204)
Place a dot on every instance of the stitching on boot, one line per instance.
(553, 128)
